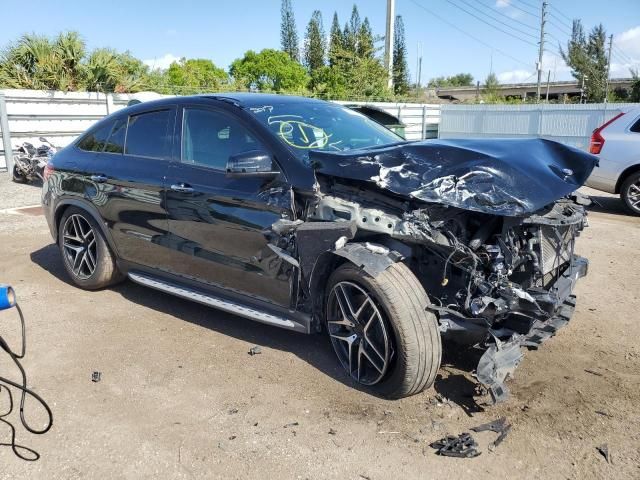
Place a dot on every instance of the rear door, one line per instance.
(219, 223)
(127, 184)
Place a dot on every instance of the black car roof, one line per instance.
(242, 99)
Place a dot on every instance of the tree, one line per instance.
(351, 31)
(366, 40)
(269, 70)
(336, 40)
(400, 68)
(491, 89)
(315, 43)
(458, 80)
(195, 75)
(288, 31)
(587, 59)
(634, 94)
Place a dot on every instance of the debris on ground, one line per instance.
(96, 376)
(255, 350)
(499, 426)
(462, 446)
(289, 425)
(593, 372)
(604, 451)
(332, 431)
(233, 411)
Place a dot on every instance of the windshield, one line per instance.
(306, 126)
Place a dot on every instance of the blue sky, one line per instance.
(158, 31)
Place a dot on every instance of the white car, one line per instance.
(617, 143)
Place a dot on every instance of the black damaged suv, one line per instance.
(307, 215)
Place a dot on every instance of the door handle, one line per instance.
(99, 178)
(182, 188)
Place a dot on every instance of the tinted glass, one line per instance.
(305, 126)
(94, 141)
(209, 138)
(115, 142)
(148, 135)
(636, 127)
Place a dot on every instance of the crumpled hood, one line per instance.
(510, 177)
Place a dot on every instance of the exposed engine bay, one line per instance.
(499, 274)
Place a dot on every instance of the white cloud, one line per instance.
(171, 32)
(503, 3)
(161, 63)
(627, 42)
(515, 76)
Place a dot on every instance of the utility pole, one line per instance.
(388, 41)
(606, 89)
(420, 72)
(548, 80)
(543, 20)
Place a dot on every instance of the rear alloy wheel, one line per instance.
(381, 331)
(630, 193)
(85, 253)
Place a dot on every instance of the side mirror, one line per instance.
(256, 163)
(43, 140)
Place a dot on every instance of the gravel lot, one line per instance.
(181, 398)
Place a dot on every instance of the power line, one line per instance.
(501, 21)
(535, 7)
(491, 25)
(508, 17)
(570, 27)
(468, 34)
(562, 14)
(622, 54)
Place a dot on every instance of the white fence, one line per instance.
(569, 124)
(61, 116)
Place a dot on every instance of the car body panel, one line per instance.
(621, 151)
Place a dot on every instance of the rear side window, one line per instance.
(94, 141)
(148, 135)
(115, 142)
(636, 127)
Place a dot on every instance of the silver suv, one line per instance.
(617, 143)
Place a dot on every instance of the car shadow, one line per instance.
(316, 350)
(607, 204)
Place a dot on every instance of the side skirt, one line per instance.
(220, 303)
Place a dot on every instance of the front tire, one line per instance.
(86, 255)
(630, 193)
(18, 176)
(381, 331)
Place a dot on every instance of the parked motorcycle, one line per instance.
(30, 161)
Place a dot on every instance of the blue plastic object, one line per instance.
(7, 297)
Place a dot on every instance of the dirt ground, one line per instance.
(181, 398)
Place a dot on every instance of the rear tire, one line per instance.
(412, 331)
(630, 193)
(17, 176)
(86, 255)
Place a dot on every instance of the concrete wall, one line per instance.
(569, 124)
(61, 116)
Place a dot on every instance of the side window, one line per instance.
(209, 138)
(94, 141)
(636, 127)
(148, 135)
(115, 142)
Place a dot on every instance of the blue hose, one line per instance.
(7, 297)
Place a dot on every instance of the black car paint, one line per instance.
(512, 177)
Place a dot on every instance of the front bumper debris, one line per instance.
(504, 354)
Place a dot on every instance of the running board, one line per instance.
(216, 302)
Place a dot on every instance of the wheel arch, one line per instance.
(356, 253)
(64, 204)
(625, 174)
